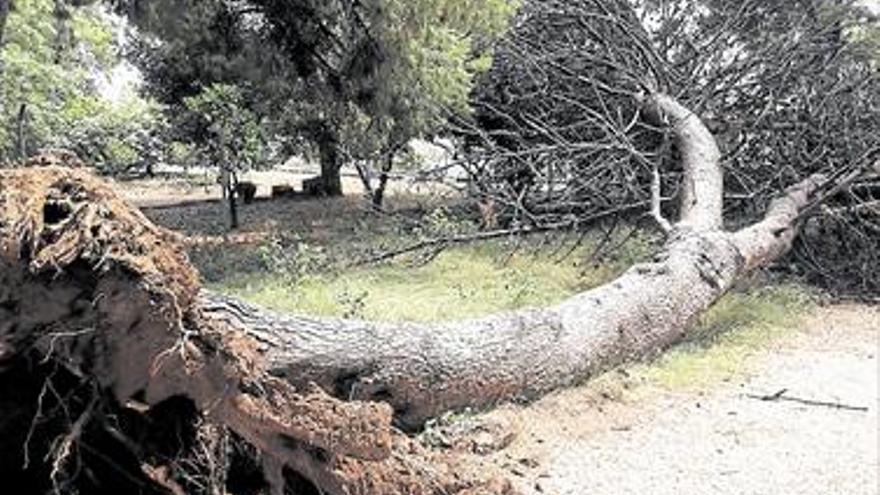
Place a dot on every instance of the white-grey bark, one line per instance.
(702, 188)
(423, 370)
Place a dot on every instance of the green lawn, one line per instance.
(459, 283)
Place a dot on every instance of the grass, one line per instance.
(459, 283)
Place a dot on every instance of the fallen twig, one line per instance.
(780, 396)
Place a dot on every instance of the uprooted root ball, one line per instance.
(113, 380)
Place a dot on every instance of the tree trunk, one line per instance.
(231, 193)
(379, 193)
(424, 370)
(63, 34)
(73, 256)
(365, 175)
(331, 163)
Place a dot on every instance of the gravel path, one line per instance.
(719, 441)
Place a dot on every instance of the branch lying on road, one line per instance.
(780, 396)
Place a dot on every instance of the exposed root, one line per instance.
(88, 283)
(61, 454)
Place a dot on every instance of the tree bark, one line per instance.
(703, 182)
(21, 143)
(424, 370)
(230, 185)
(379, 194)
(331, 163)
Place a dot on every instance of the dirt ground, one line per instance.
(719, 439)
(201, 187)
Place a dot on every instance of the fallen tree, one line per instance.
(423, 370)
(88, 283)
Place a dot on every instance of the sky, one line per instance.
(123, 81)
(874, 5)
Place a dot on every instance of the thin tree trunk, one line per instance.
(63, 33)
(21, 143)
(379, 193)
(387, 166)
(331, 163)
(364, 174)
(230, 186)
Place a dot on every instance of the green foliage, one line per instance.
(442, 59)
(375, 73)
(865, 37)
(230, 132)
(51, 61)
(432, 53)
(115, 136)
(96, 37)
(293, 260)
(183, 153)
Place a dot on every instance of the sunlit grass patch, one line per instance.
(459, 283)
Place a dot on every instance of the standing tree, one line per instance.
(351, 79)
(228, 134)
(52, 59)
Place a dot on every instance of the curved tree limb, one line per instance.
(423, 370)
(703, 182)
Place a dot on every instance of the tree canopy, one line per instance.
(53, 58)
(348, 79)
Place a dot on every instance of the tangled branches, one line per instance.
(788, 89)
